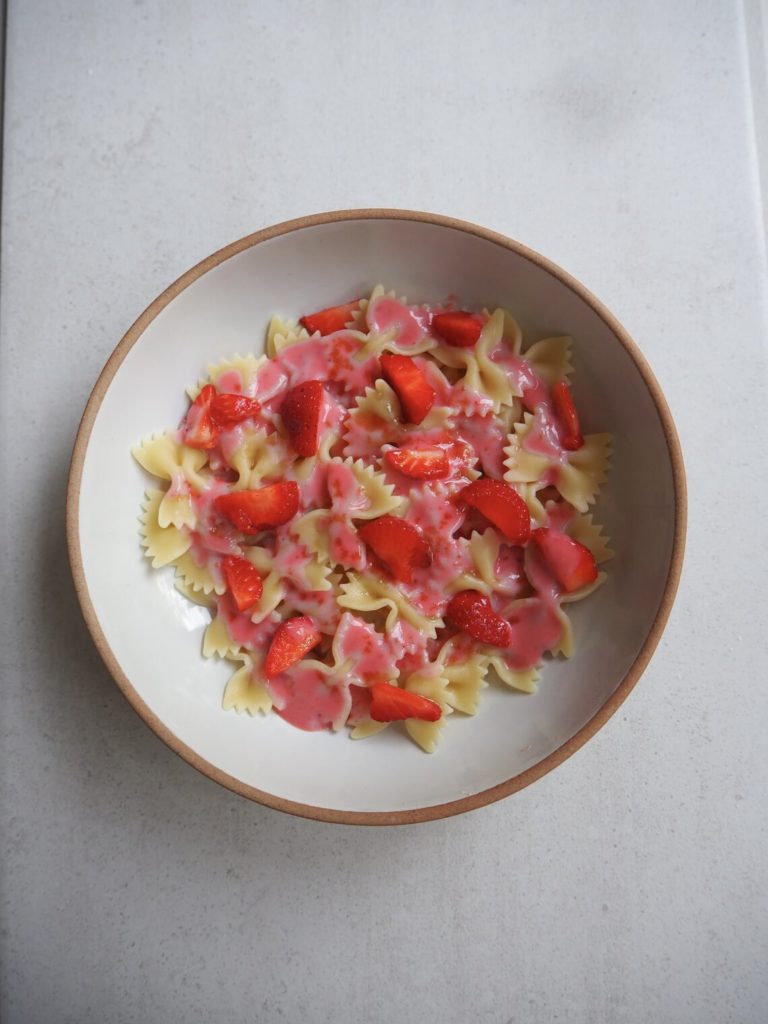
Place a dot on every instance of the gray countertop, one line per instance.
(618, 139)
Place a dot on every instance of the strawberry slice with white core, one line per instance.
(259, 509)
(501, 505)
(571, 563)
(398, 545)
(294, 638)
(200, 430)
(410, 384)
(459, 329)
(328, 321)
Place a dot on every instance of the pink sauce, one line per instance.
(372, 654)
(410, 323)
(254, 636)
(305, 697)
(439, 518)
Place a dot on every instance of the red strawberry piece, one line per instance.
(327, 321)
(460, 329)
(302, 410)
(229, 410)
(200, 430)
(398, 545)
(293, 639)
(416, 394)
(393, 704)
(472, 612)
(501, 505)
(572, 564)
(562, 399)
(259, 509)
(243, 581)
(420, 463)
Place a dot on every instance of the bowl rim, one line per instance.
(435, 811)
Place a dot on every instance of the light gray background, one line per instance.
(618, 139)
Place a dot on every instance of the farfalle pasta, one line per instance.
(385, 513)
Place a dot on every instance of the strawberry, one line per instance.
(229, 410)
(471, 612)
(562, 399)
(416, 394)
(393, 704)
(501, 505)
(572, 564)
(460, 329)
(398, 545)
(243, 581)
(200, 431)
(260, 509)
(293, 639)
(302, 410)
(327, 321)
(420, 463)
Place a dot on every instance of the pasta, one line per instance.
(385, 514)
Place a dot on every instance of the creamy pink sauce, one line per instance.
(473, 438)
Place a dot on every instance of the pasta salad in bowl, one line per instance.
(377, 516)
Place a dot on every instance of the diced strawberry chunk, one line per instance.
(229, 410)
(260, 509)
(420, 463)
(398, 545)
(571, 563)
(460, 329)
(501, 505)
(471, 612)
(327, 321)
(392, 704)
(294, 638)
(243, 581)
(562, 399)
(416, 394)
(200, 431)
(302, 411)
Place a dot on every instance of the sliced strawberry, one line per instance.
(420, 463)
(471, 612)
(302, 411)
(501, 505)
(229, 410)
(393, 704)
(327, 321)
(200, 431)
(293, 639)
(260, 509)
(572, 564)
(416, 394)
(460, 329)
(243, 581)
(398, 545)
(562, 399)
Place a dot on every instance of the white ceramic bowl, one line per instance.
(150, 637)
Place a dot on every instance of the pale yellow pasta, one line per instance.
(586, 531)
(164, 456)
(524, 679)
(564, 644)
(176, 510)
(195, 596)
(484, 550)
(550, 358)
(434, 686)
(281, 333)
(162, 545)
(366, 593)
(259, 456)
(581, 477)
(464, 678)
(523, 467)
(217, 641)
(312, 530)
(244, 692)
(480, 372)
(367, 728)
(196, 577)
(379, 494)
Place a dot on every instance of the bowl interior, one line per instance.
(155, 635)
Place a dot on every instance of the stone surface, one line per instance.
(630, 884)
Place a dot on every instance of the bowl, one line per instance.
(150, 637)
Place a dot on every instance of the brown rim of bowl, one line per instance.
(452, 807)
